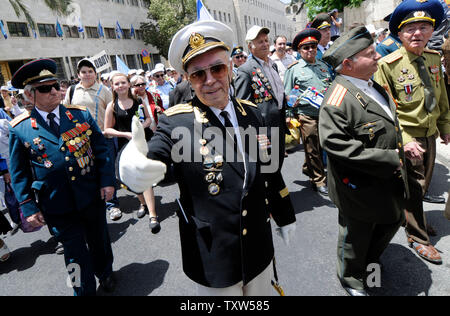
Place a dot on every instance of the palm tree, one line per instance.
(60, 7)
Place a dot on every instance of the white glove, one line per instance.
(137, 171)
(286, 232)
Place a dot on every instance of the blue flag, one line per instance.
(2, 27)
(121, 66)
(80, 26)
(119, 30)
(202, 12)
(132, 33)
(34, 31)
(59, 30)
(100, 30)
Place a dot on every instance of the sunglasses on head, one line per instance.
(140, 85)
(218, 72)
(309, 47)
(48, 88)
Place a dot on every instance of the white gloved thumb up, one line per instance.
(286, 232)
(136, 171)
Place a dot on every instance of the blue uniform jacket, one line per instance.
(57, 175)
(389, 45)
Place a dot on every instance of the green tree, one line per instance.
(60, 7)
(166, 18)
(317, 6)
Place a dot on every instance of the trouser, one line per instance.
(87, 246)
(313, 166)
(112, 148)
(259, 286)
(420, 173)
(359, 245)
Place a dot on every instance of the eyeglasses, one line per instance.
(48, 88)
(218, 72)
(140, 85)
(158, 76)
(413, 29)
(241, 57)
(309, 47)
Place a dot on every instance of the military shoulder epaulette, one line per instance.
(388, 42)
(337, 96)
(22, 117)
(392, 57)
(77, 107)
(432, 51)
(246, 102)
(292, 65)
(178, 109)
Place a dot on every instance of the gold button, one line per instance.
(267, 202)
(67, 158)
(396, 129)
(73, 178)
(399, 145)
(70, 169)
(63, 148)
(244, 232)
(244, 213)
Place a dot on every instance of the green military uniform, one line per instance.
(366, 180)
(317, 76)
(398, 72)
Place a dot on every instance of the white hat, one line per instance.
(132, 72)
(105, 76)
(371, 28)
(254, 32)
(140, 72)
(4, 88)
(196, 39)
(112, 73)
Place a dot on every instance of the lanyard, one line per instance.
(96, 103)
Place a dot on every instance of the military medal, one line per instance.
(219, 177)
(39, 159)
(411, 77)
(83, 172)
(41, 147)
(434, 69)
(37, 141)
(372, 134)
(401, 79)
(48, 164)
(208, 162)
(27, 145)
(210, 177)
(202, 142)
(405, 71)
(218, 161)
(88, 132)
(408, 90)
(213, 189)
(204, 150)
(34, 123)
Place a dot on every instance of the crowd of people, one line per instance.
(367, 105)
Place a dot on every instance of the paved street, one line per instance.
(148, 264)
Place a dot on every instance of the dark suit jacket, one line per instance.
(182, 94)
(46, 163)
(361, 141)
(247, 89)
(225, 238)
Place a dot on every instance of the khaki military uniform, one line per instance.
(398, 73)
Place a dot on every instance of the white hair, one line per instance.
(28, 88)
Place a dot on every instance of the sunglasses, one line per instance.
(140, 85)
(218, 72)
(241, 57)
(48, 88)
(158, 76)
(309, 47)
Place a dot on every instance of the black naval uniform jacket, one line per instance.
(252, 84)
(225, 237)
(362, 142)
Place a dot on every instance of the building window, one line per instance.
(110, 33)
(139, 35)
(60, 68)
(71, 31)
(126, 34)
(47, 30)
(134, 3)
(131, 61)
(18, 29)
(92, 32)
(113, 60)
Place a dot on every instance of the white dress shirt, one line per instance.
(370, 91)
(44, 115)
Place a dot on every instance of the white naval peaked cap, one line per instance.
(196, 39)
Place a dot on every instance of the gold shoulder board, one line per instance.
(246, 102)
(392, 57)
(388, 42)
(292, 65)
(178, 109)
(432, 51)
(77, 107)
(22, 117)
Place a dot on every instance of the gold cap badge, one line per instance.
(196, 41)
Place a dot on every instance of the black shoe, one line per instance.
(143, 210)
(433, 199)
(323, 190)
(154, 225)
(109, 284)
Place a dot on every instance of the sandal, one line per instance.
(115, 214)
(4, 253)
(142, 211)
(154, 225)
(427, 252)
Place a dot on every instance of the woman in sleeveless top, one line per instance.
(118, 118)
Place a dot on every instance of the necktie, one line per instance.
(53, 125)
(228, 125)
(430, 100)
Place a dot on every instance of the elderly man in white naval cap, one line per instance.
(225, 203)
